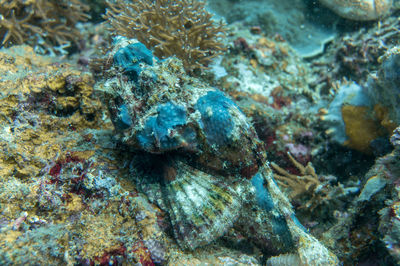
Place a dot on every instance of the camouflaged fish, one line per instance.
(197, 156)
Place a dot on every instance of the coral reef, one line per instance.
(265, 69)
(285, 121)
(370, 222)
(355, 54)
(76, 178)
(183, 28)
(49, 25)
(111, 155)
(61, 200)
(319, 195)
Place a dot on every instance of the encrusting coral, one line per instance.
(307, 183)
(47, 23)
(181, 28)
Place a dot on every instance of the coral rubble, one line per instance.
(298, 22)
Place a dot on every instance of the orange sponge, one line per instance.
(362, 127)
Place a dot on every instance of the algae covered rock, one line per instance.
(62, 201)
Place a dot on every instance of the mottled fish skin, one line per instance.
(361, 10)
(160, 109)
(201, 144)
(201, 206)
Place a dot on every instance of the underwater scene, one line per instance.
(190, 132)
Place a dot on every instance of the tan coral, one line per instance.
(361, 10)
(49, 22)
(182, 28)
(306, 184)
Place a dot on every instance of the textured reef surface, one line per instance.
(199, 132)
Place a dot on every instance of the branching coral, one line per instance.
(307, 184)
(46, 22)
(182, 28)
